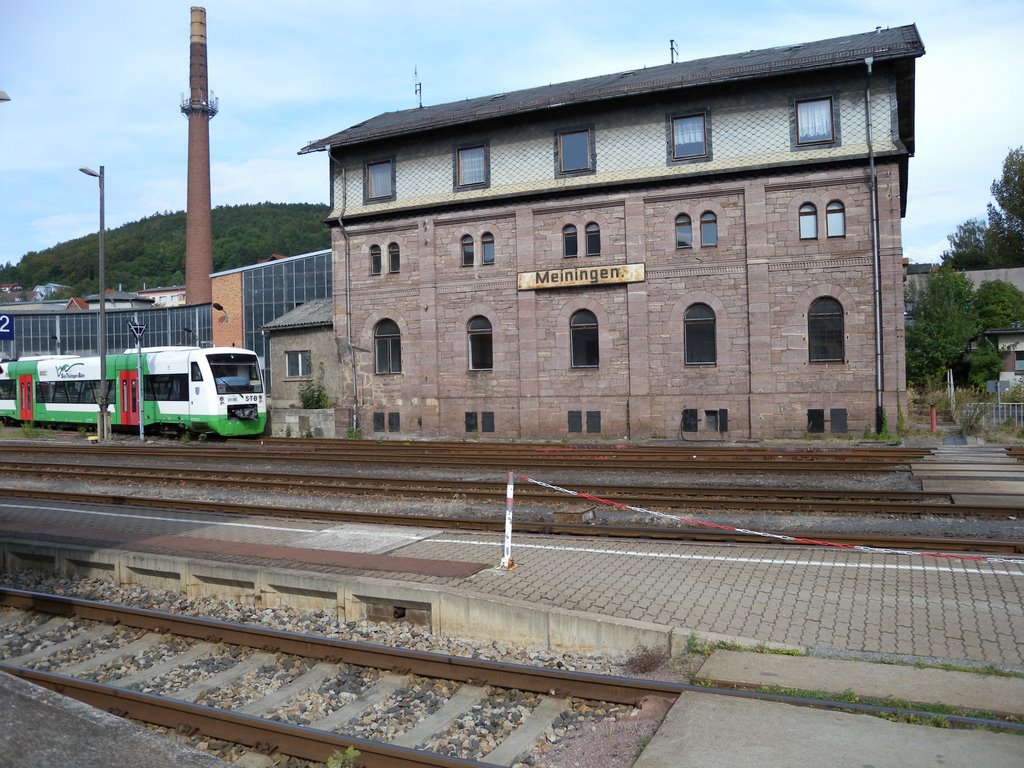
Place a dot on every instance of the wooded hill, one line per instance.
(151, 252)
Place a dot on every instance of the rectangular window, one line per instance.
(575, 153)
(378, 422)
(298, 363)
(689, 420)
(688, 137)
(471, 422)
(471, 166)
(594, 422)
(814, 121)
(1018, 362)
(837, 420)
(575, 421)
(711, 421)
(487, 421)
(379, 180)
(394, 423)
(815, 420)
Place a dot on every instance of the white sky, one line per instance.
(99, 82)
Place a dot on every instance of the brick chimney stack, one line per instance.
(198, 108)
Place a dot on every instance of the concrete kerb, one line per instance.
(680, 642)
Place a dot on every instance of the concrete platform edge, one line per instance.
(444, 610)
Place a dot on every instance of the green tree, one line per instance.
(998, 304)
(151, 251)
(941, 323)
(967, 248)
(999, 241)
(985, 362)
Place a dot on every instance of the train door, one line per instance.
(26, 399)
(129, 398)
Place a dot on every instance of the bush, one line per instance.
(313, 394)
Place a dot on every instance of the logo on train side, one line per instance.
(67, 371)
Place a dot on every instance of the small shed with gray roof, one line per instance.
(303, 352)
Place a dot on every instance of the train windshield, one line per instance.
(236, 373)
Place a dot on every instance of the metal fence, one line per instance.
(994, 414)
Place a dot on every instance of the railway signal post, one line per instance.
(138, 329)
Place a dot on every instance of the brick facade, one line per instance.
(759, 278)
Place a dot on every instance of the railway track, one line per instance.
(542, 526)
(505, 456)
(308, 696)
(110, 469)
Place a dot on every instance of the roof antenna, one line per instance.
(672, 51)
(419, 85)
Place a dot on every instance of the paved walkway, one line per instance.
(827, 600)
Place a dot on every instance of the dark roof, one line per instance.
(313, 313)
(882, 44)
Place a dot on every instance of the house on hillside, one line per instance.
(701, 250)
(171, 296)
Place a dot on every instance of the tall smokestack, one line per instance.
(198, 108)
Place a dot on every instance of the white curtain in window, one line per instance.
(471, 162)
(689, 130)
(815, 118)
(380, 180)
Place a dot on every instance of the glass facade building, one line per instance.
(277, 287)
(57, 332)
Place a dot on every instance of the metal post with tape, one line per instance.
(507, 563)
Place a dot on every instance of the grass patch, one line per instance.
(701, 647)
(937, 714)
(988, 669)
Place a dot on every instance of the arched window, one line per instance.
(583, 340)
(375, 261)
(708, 229)
(481, 357)
(835, 219)
(825, 341)
(684, 231)
(394, 258)
(487, 245)
(467, 250)
(699, 335)
(808, 222)
(387, 347)
(569, 246)
(593, 239)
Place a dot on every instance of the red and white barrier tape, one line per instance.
(777, 536)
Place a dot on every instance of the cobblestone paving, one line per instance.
(846, 601)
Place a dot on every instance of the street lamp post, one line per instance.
(101, 428)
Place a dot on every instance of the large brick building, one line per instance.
(685, 250)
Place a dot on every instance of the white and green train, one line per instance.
(186, 389)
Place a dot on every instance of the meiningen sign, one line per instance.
(572, 277)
